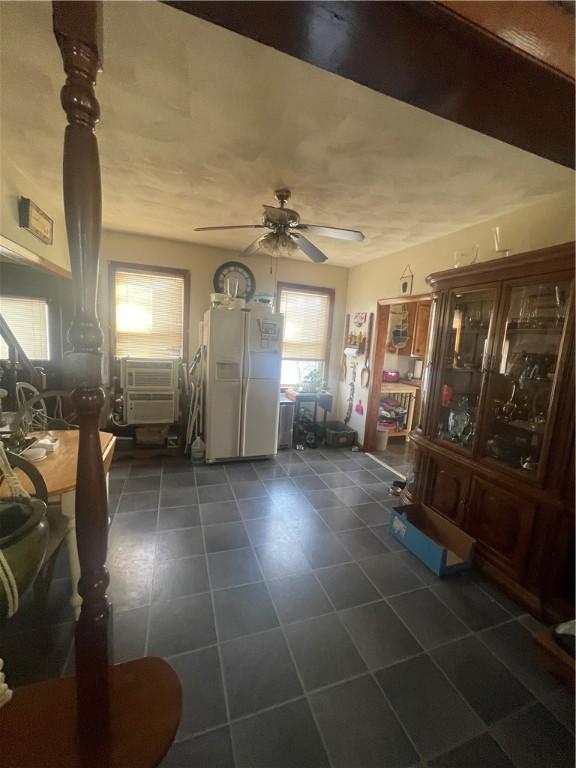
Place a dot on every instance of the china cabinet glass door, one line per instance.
(521, 386)
(464, 366)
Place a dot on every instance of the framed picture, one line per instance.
(406, 280)
(33, 218)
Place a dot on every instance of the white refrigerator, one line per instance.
(243, 363)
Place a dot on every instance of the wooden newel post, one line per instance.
(76, 30)
(110, 716)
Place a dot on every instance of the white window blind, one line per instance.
(306, 323)
(149, 314)
(28, 321)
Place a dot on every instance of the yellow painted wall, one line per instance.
(15, 183)
(202, 261)
(526, 229)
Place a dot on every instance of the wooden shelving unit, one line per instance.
(390, 389)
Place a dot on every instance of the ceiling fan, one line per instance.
(286, 232)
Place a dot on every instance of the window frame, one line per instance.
(49, 328)
(128, 266)
(304, 288)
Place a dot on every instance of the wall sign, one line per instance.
(33, 218)
(406, 280)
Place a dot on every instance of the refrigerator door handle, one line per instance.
(244, 389)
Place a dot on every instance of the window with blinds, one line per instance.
(28, 321)
(149, 313)
(307, 327)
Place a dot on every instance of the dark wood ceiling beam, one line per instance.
(421, 54)
(542, 30)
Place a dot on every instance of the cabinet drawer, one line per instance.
(502, 523)
(446, 488)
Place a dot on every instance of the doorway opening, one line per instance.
(396, 392)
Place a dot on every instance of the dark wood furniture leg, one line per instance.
(107, 717)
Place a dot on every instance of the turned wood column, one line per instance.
(76, 30)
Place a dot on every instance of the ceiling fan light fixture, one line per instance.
(285, 236)
(277, 244)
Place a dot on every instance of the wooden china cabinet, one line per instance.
(495, 446)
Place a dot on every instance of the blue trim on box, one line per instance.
(432, 554)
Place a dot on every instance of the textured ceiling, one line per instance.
(200, 126)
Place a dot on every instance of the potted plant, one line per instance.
(312, 382)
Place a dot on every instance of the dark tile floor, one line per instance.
(399, 455)
(303, 634)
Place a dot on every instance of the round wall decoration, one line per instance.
(232, 271)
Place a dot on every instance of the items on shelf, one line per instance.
(495, 451)
(519, 390)
(356, 339)
(398, 328)
(392, 414)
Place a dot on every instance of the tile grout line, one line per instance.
(300, 621)
(386, 466)
(298, 675)
(219, 647)
(149, 617)
(536, 698)
(515, 713)
(396, 715)
(300, 678)
(476, 633)
(429, 653)
(367, 670)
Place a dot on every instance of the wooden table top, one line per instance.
(397, 387)
(59, 468)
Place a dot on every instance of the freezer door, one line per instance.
(224, 330)
(261, 392)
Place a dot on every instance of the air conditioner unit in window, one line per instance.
(150, 390)
(150, 407)
(149, 375)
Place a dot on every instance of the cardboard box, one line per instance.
(437, 542)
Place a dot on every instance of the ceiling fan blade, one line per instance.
(235, 226)
(313, 253)
(342, 234)
(252, 248)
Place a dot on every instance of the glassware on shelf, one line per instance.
(498, 246)
(462, 258)
(520, 389)
(464, 366)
